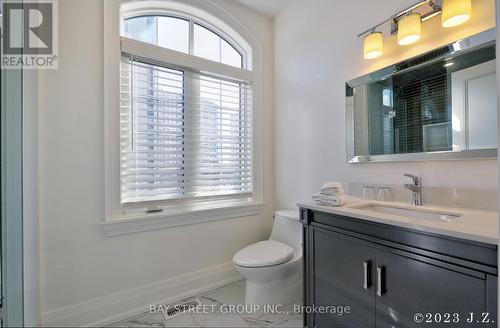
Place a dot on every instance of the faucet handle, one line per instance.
(416, 179)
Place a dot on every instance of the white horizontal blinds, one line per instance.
(183, 134)
(152, 132)
(224, 161)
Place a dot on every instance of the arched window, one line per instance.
(185, 109)
(184, 35)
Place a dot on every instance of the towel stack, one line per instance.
(330, 194)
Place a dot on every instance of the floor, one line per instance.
(219, 313)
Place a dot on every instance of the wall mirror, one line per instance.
(440, 105)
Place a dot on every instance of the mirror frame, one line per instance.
(470, 43)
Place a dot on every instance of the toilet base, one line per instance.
(284, 291)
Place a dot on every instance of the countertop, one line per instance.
(475, 225)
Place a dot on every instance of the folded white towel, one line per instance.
(332, 192)
(332, 188)
(322, 199)
(332, 184)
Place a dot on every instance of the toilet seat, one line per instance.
(263, 253)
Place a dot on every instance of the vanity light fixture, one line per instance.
(408, 23)
(455, 12)
(373, 45)
(409, 29)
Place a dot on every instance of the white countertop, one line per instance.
(476, 225)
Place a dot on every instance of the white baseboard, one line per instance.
(115, 307)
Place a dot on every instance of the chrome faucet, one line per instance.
(415, 188)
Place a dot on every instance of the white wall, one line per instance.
(316, 51)
(82, 270)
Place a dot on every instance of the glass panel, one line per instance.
(12, 198)
(141, 28)
(210, 45)
(229, 55)
(206, 44)
(173, 33)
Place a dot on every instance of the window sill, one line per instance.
(179, 217)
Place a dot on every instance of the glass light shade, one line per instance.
(409, 29)
(455, 12)
(373, 45)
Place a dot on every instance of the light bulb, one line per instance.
(455, 12)
(409, 29)
(373, 45)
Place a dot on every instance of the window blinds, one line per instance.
(183, 134)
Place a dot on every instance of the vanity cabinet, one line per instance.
(387, 275)
(340, 279)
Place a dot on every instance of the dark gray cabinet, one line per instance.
(342, 280)
(394, 281)
(411, 286)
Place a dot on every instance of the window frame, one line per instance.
(119, 220)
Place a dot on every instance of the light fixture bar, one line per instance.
(431, 3)
(430, 15)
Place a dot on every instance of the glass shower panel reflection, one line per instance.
(11, 194)
(444, 105)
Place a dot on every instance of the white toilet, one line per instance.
(273, 268)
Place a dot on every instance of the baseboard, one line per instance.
(115, 307)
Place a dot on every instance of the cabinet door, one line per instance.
(342, 275)
(407, 286)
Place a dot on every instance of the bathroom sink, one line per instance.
(408, 212)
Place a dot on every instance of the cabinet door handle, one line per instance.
(366, 275)
(380, 280)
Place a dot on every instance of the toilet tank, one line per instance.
(287, 228)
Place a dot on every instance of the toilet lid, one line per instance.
(263, 253)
